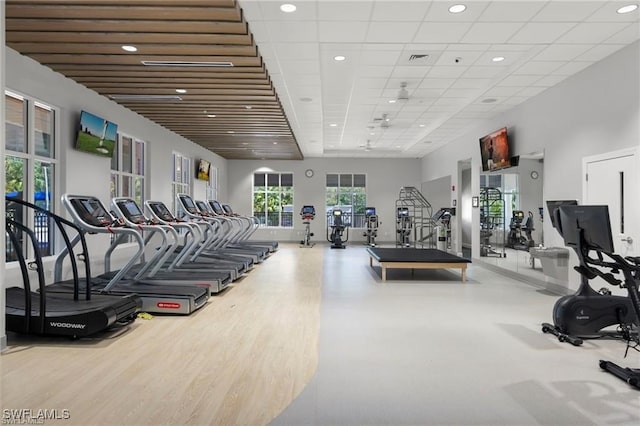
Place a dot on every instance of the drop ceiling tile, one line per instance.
(494, 32)
(447, 71)
(538, 68)
(299, 67)
(608, 13)
(627, 36)
(392, 32)
(531, 91)
(424, 47)
(379, 58)
(399, 10)
(271, 11)
(513, 11)
(471, 83)
(344, 10)
(501, 92)
(567, 11)
(550, 80)
(304, 51)
(440, 32)
(371, 83)
(519, 80)
(294, 31)
(539, 32)
(594, 32)
(483, 72)
(349, 32)
(562, 52)
(374, 71)
(439, 11)
(465, 57)
(413, 72)
(462, 93)
(600, 52)
(572, 68)
(514, 47)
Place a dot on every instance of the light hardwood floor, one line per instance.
(241, 360)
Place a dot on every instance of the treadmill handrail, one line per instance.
(68, 249)
(66, 201)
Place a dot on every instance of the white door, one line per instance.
(611, 180)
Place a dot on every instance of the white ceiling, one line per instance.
(543, 42)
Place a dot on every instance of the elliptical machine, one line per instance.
(308, 213)
(515, 239)
(371, 218)
(585, 314)
(337, 231)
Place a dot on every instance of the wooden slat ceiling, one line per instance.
(82, 39)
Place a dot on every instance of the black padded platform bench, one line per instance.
(414, 258)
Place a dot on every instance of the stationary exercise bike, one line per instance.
(308, 213)
(371, 219)
(587, 313)
(337, 231)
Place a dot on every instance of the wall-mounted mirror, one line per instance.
(511, 215)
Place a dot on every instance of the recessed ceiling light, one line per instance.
(627, 8)
(457, 8)
(275, 143)
(129, 48)
(306, 99)
(489, 100)
(333, 125)
(181, 90)
(372, 134)
(230, 132)
(392, 101)
(288, 8)
(245, 143)
(339, 58)
(211, 115)
(248, 107)
(421, 125)
(498, 59)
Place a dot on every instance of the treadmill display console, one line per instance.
(202, 206)
(162, 212)
(189, 205)
(131, 211)
(217, 208)
(92, 212)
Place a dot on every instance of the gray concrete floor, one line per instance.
(429, 350)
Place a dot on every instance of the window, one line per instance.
(181, 177)
(347, 192)
(212, 184)
(273, 199)
(29, 166)
(128, 169)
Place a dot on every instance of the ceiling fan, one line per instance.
(384, 120)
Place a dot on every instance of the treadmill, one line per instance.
(250, 228)
(70, 314)
(91, 216)
(156, 268)
(196, 253)
(215, 227)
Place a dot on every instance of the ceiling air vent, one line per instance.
(419, 57)
(186, 64)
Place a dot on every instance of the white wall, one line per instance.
(385, 177)
(86, 174)
(3, 335)
(593, 112)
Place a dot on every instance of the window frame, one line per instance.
(354, 218)
(118, 174)
(284, 218)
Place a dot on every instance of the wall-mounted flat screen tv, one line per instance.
(202, 171)
(494, 151)
(96, 135)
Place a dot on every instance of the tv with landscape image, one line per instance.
(494, 150)
(96, 135)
